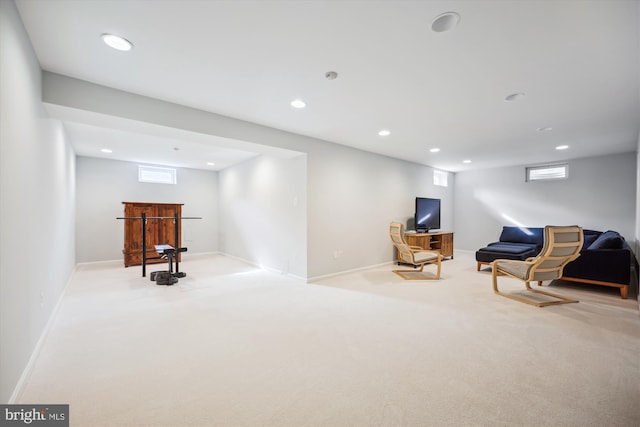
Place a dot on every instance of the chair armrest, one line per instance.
(516, 261)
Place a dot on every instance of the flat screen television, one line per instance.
(427, 216)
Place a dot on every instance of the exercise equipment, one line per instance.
(168, 277)
(168, 252)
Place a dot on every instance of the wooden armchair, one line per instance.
(561, 246)
(413, 255)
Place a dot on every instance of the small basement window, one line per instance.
(156, 175)
(440, 178)
(547, 172)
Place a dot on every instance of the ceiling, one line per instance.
(576, 62)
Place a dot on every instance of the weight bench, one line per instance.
(168, 277)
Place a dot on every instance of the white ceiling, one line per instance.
(576, 61)
(142, 142)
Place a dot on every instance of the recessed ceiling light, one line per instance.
(562, 147)
(544, 129)
(514, 97)
(384, 132)
(445, 22)
(106, 150)
(117, 42)
(298, 103)
(466, 161)
(434, 150)
(211, 164)
(331, 75)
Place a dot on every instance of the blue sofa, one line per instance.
(605, 259)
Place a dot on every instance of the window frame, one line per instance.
(170, 172)
(440, 178)
(549, 167)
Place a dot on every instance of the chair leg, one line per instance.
(494, 276)
(404, 273)
(559, 298)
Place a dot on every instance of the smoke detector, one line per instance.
(331, 75)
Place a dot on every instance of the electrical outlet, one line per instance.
(337, 253)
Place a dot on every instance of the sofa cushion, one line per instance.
(531, 235)
(511, 248)
(590, 236)
(607, 240)
(506, 251)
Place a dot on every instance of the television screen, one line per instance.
(427, 216)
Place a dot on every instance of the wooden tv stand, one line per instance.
(439, 240)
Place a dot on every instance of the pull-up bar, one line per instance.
(144, 216)
(176, 233)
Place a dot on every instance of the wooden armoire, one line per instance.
(158, 231)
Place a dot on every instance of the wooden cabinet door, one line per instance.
(166, 227)
(158, 231)
(446, 245)
(133, 232)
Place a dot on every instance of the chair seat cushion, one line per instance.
(517, 269)
(424, 256)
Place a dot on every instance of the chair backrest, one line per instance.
(561, 246)
(396, 232)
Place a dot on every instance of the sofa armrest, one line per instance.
(606, 265)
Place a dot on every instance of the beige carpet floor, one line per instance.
(233, 346)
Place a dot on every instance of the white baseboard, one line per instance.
(262, 267)
(26, 373)
(107, 261)
(340, 273)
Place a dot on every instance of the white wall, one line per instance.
(276, 212)
(353, 196)
(636, 246)
(600, 194)
(37, 214)
(637, 235)
(102, 186)
(263, 213)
